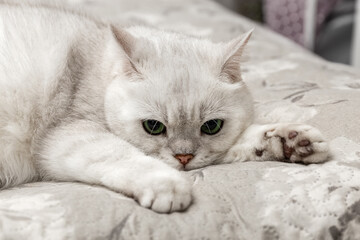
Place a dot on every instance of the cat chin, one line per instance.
(186, 167)
(189, 168)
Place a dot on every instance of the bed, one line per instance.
(250, 200)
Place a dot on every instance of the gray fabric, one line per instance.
(253, 200)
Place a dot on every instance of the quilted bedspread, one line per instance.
(251, 200)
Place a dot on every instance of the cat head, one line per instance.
(177, 98)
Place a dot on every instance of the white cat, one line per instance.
(81, 100)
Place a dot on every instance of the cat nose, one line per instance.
(184, 158)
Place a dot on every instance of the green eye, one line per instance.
(154, 127)
(212, 127)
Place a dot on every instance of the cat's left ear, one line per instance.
(234, 51)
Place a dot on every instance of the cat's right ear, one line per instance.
(127, 43)
(233, 53)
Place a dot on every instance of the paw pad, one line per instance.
(307, 152)
(259, 153)
(292, 134)
(304, 143)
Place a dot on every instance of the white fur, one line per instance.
(31, 57)
(74, 93)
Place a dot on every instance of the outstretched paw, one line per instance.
(298, 143)
(164, 192)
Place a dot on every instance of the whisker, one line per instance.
(154, 127)
(216, 123)
(207, 127)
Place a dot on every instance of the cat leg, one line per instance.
(84, 151)
(280, 142)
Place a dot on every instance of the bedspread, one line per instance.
(251, 200)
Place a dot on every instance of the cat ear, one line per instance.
(127, 43)
(235, 48)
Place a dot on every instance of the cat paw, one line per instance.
(297, 143)
(165, 192)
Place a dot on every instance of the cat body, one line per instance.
(81, 100)
(41, 63)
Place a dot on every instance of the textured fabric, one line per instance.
(252, 200)
(287, 16)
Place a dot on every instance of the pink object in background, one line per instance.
(287, 16)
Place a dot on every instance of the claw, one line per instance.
(267, 134)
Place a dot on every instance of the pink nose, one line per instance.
(184, 158)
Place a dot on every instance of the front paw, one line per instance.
(164, 192)
(298, 143)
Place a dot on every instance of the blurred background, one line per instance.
(329, 28)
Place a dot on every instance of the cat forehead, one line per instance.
(160, 43)
(180, 113)
(178, 61)
(191, 107)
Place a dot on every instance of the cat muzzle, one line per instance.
(184, 158)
